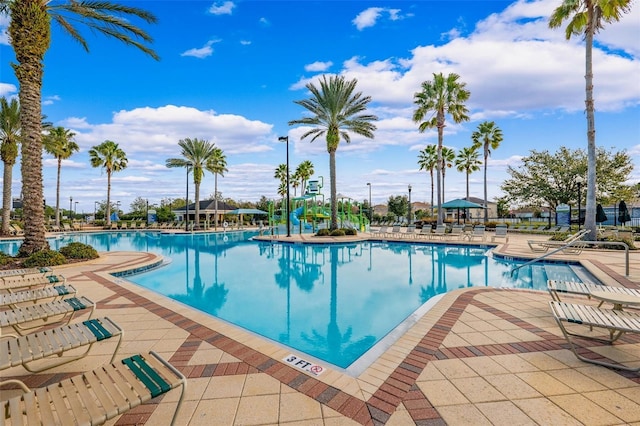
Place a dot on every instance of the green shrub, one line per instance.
(5, 258)
(337, 233)
(45, 258)
(78, 250)
(559, 236)
(350, 231)
(322, 232)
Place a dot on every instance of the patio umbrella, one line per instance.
(460, 203)
(242, 212)
(623, 213)
(600, 214)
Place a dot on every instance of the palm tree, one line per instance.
(468, 162)
(295, 183)
(199, 155)
(448, 157)
(304, 171)
(217, 165)
(281, 173)
(427, 159)
(488, 137)
(108, 155)
(587, 17)
(30, 33)
(336, 110)
(443, 95)
(59, 143)
(10, 137)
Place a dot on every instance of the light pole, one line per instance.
(70, 205)
(95, 211)
(286, 139)
(186, 201)
(579, 181)
(370, 206)
(409, 214)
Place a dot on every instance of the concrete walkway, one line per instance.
(479, 356)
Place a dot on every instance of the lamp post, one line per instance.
(370, 206)
(186, 201)
(70, 205)
(286, 139)
(409, 214)
(95, 211)
(579, 181)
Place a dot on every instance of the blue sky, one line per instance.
(230, 71)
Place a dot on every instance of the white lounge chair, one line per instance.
(33, 316)
(54, 342)
(440, 232)
(24, 271)
(615, 321)
(11, 283)
(478, 232)
(555, 287)
(57, 292)
(99, 395)
(501, 233)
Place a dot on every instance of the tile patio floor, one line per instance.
(479, 356)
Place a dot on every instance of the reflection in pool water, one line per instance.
(331, 301)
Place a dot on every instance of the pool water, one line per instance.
(331, 301)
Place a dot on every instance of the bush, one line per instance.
(337, 233)
(78, 250)
(5, 258)
(350, 231)
(45, 258)
(559, 236)
(322, 232)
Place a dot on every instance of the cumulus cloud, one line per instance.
(369, 17)
(8, 90)
(318, 66)
(4, 25)
(225, 8)
(201, 52)
(49, 100)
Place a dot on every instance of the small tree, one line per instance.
(398, 205)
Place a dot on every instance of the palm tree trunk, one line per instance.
(215, 203)
(466, 211)
(432, 206)
(197, 218)
(334, 191)
(58, 193)
(590, 214)
(6, 198)
(439, 167)
(29, 31)
(108, 209)
(486, 211)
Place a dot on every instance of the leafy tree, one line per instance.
(546, 179)
(586, 17)
(217, 165)
(263, 204)
(30, 33)
(398, 205)
(197, 155)
(443, 95)
(139, 207)
(448, 157)
(10, 138)
(468, 162)
(427, 160)
(488, 137)
(113, 159)
(502, 205)
(335, 111)
(59, 143)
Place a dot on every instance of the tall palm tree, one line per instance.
(488, 137)
(586, 17)
(468, 162)
(304, 171)
(110, 156)
(336, 110)
(218, 166)
(59, 143)
(198, 154)
(10, 138)
(295, 183)
(30, 35)
(427, 159)
(443, 95)
(448, 157)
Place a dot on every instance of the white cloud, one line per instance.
(369, 17)
(4, 26)
(8, 90)
(201, 52)
(264, 22)
(49, 100)
(225, 8)
(318, 66)
(245, 42)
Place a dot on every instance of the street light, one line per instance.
(579, 181)
(409, 214)
(70, 205)
(370, 206)
(286, 139)
(95, 210)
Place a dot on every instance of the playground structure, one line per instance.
(309, 212)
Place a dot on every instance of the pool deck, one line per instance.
(479, 356)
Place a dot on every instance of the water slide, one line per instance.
(295, 216)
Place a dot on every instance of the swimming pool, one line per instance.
(331, 301)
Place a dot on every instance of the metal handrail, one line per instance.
(601, 243)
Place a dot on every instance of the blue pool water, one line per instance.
(334, 302)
